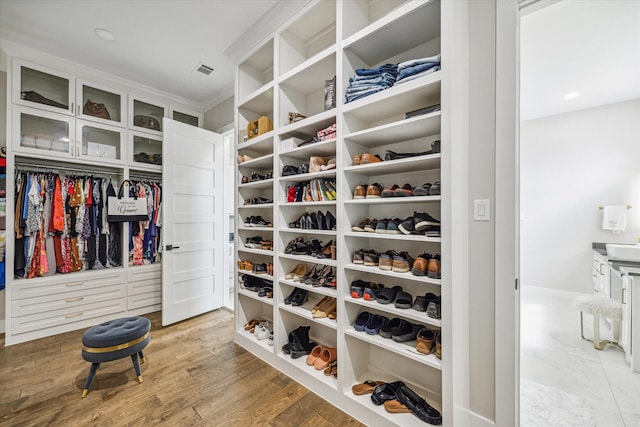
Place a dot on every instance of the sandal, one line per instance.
(366, 387)
(332, 370)
(385, 392)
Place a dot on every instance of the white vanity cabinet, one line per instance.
(601, 275)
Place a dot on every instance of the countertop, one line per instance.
(633, 266)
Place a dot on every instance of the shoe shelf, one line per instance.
(322, 148)
(301, 367)
(251, 273)
(304, 311)
(394, 200)
(262, 144)
(250, 294)
(401, 419)
(263, 162)
(244, 227)
(397, 100)
(265, 183)
(264, 344)
(410, 164)
(255, 251)
(322, 290)
(313, 204)
(371, 43)
(401, 130)
(308, 127)
(308, 258)
(256, 206)
(331, 173)
(308, 231)
(406, 349)
(376, 270)
(409, 238)
(409, 313)
(259, 100)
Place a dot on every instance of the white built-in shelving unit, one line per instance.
(287, 73)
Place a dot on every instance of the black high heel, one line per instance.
(311, 273)
(322, 276)
(300, 298)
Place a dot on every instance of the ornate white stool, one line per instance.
(600, 306)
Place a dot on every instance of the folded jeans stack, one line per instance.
(368, 81)
(414, 68)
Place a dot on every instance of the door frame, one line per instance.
(507, 233)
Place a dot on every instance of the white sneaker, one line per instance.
(263, 330)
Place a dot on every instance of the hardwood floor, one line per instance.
(194, 375)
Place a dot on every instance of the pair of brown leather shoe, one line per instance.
(429, 341)
(372, 191)
(365, 159)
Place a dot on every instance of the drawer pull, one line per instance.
(74, 299)
(623, 302)
(75, 284)
(69, 316)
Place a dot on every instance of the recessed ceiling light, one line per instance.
(104, 34)
(572, 95)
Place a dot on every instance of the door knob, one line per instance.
(171, 247)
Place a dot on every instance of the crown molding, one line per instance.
(265, 27)
(222, 96)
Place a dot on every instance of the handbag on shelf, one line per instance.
(146, 122)
(97, 110)
(121, 209)
(259, 127)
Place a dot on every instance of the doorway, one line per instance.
(579, 127)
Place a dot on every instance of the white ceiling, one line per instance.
(158, 43)
(591, 47)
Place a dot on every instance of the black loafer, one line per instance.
(289, 170)
(418, 405)
(385, 392)
(392, 155)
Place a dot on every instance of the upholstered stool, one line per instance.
(114, 340)
(600, 307)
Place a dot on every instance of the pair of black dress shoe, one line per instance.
(398, 391)
(392, 155)
(315, 221)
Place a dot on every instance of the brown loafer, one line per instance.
(370, 158)
(360, 191)
(374, 191)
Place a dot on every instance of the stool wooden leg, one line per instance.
(92, 373)
(141, 355)
(582, 328)
(136, 365)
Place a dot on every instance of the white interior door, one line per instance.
(192, 222)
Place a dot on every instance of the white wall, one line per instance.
(571, 164)
(219, 116)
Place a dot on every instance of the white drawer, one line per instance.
(144, 300)
(144, 272)
(51, 319)
(144, 286)
(94, 280)
(74, 299)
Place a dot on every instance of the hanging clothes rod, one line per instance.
(143, 177)
(628, 207)
(35, 167)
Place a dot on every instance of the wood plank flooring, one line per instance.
(194, 375)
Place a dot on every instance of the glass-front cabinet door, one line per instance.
(146, 116)
(42, 132)
(97, 142)
(100, 104)
(43, 88)
(190, 119)
(145, 151)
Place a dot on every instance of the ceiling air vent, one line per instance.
(204, 69)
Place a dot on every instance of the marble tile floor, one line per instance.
(553, 354)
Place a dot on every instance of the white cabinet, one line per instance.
(601, 275)
(100, 143)
(146, 115)
(42, 87)
(145, 151)
(43, 133)
(101, 104)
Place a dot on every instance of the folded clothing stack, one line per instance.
(327, 133)
(414, 68)
(368, 81)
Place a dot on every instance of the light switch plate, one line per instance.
(481, 210)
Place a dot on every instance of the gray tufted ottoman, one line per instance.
(114, 340)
